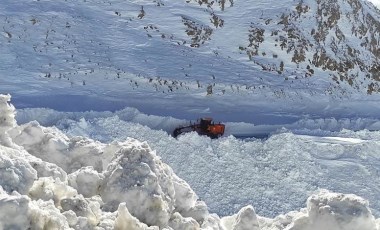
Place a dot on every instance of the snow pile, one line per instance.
(120, 184)
(149, 188)
(51, 181)
(345, 211)
(327, 210)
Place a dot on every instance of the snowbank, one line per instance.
(51, 181)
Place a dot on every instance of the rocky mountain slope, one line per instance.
(338, 37)
(337, 40)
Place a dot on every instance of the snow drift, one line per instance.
(51, 181)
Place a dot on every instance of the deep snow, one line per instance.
(52, 181)
(274, 175)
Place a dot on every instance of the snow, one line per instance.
(131, 187)
(375, 2)
(275, 175)
(135, 181)
(56, 49)
(98, 92)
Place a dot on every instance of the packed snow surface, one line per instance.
(50, 180)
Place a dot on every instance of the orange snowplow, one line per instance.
(204, 127)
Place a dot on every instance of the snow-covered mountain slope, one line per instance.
(176, 45)
(194, 57)
(51, 181)
(339, 37)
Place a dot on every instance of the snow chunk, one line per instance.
(43, 168)
(86, 181)
(212, 222)
(19, 212)
(7, 119)
(51, 145)
(7, 115)
(137, 177)
(46, 169)
(327, 210)
(16, 174)
(335, 211)
(44, 215)
(125, 220)
(184, 196)
(245, 219)
(199, 211)
(13, 210)
(150, 189)
(47, 188)
(179, 222)
(84, 208)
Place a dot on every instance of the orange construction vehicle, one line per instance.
(204, 127)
